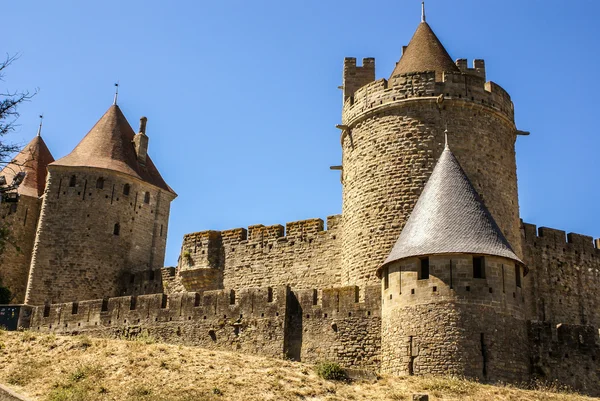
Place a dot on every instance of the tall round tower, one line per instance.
(452, 301)
(20, 214)
(392, 133)
(104, 216)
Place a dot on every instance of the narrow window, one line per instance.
(386, 278)
(126, 189)
(100, 183)
(518, 275)
(72, 181)
(232, 297)
(147, 197)
(161, 228)
(117, 229)
(503, 285)
(483, 354)
(315, 297)
(478, 267)
(74, 308)
(424, 270)
(400, 278)
(269, 294)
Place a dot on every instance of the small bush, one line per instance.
(217, 391)
(330, 371)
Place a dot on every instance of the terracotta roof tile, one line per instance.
(33, 160)
(425, 52)
(450, 217)
(109, 146)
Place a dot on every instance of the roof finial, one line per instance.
(422, 11)
(40, 127)
(446, 147)
(116, 93)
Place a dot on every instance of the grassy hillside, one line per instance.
(48, 367)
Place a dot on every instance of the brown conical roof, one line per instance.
(109, 146)
(449, 218)
(33, 159)
(425, 52)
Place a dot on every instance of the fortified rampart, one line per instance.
(307, 325)
(93, 221)
(567, 354)
(392, 134)
(20, 218)
(303, 255)
(564, 276)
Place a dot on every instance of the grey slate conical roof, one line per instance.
(450, 218)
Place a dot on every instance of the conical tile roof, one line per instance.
(33, 160)
(424, 52)
(109, 146)
(450, 218)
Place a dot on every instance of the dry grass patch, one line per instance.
(57, 368)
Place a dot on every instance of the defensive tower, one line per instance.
(20, 217)
(392, 134)
(104, 216)
(452, 301)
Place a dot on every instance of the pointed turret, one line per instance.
(33, 160)
(425, 52)
(450, 218)
(110, 145)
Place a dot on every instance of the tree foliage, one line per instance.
(9, 102)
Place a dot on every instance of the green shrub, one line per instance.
(330, 371)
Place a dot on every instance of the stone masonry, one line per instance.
(427, 270)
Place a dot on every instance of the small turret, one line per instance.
(140, 140)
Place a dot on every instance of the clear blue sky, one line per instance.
(242, 99)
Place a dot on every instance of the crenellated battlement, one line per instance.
(356, 76)
(478, 68)
(469, 87)
(301, 230)
(159, 308)
(339, 302)
(559, 240)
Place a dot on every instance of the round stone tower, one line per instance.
(20, 214)
(104, 216)
(452, 301)
(392, 134)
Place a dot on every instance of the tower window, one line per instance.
(424, 269)
(147, 197)
(518, 275)
(478, 267)
(386, 278)
(100, 183)
(126, 189)
(72, 181)
(117, 229)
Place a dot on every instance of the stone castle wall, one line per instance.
(564, 276)
(453, 323)
(21, 219)
(567, 354)
(303, 255)
(309, 325)
(91, 234)
(393, 134)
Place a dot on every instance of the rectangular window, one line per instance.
(424, 270)
(518, 275)
(478, 267)
(386, 278)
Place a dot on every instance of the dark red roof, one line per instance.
(109, 146)
(425, 52)
(33, 160)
